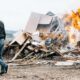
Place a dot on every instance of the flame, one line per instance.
(74, 27)
(76, 20)
(71, 34)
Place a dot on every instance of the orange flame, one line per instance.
(74, 27)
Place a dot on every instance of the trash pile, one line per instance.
(46, 36)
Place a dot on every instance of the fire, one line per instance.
(76, 20)
(71, 35)
(73, 28)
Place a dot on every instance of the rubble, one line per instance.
(43, 36)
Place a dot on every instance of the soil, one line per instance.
(40, 72)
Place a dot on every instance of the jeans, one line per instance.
(1, 48)
(3, 66)
(2, 63)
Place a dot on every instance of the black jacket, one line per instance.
(2, 31)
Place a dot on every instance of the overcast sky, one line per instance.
(15, 13)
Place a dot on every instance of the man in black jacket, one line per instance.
(4, 66)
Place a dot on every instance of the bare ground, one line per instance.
(41, 72)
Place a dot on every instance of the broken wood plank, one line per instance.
(16, 55)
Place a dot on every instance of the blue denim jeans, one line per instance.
(3, 66)
(2, 63)
(1, 48)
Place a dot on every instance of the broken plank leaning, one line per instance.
(16, 55)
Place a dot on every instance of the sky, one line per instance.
(15, 13)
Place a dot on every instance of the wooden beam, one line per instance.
(16, 55)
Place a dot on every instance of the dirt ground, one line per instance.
(41, 72)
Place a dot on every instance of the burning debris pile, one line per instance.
(46, 36)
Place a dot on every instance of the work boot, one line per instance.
(2, 71)
(6, 68)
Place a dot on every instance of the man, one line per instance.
(4, 66)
